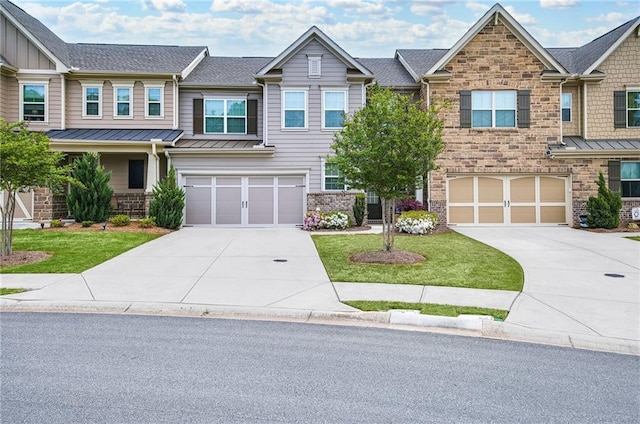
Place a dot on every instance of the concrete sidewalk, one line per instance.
(276, 273)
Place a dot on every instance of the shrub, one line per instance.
(337, 221)
(313, 220)
(360, 208)
(87, 224)
(417, 222)
(409, 204)
(120, 220)
(146, 223)
(93, 201)
(56, 223)
(168, 202)
(604, 210)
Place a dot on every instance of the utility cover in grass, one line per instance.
(395, 257)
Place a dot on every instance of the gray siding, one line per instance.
(18, 50)
(186, 112)
(75, 104)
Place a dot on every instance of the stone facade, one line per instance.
(342, 201)
(48, 206)
(134, 205)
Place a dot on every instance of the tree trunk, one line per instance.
(7, 208)
(388, 223)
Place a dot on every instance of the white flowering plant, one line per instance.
(337, 220)
(417, 222)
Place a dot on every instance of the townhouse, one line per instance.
(527, 132)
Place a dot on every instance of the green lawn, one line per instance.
(6, 290)
(453, 260)
(73, 251)
(427, 308)
(636, 238)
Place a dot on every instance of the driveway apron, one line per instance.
(262, 267)
(575, 281)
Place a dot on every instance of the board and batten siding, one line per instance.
(19, 51)
(186, 112)
(8, 98)
(75, 105)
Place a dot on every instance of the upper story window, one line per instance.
(315, 65)
(225, 116)
(567, 99)
(331, 178)
(33, 100)
(633, 108)
(294, 109)
(334, 105)
(626, 108)
(154, 101)
(91, 99)
(493, 109)
(123, 101)
(630, 179)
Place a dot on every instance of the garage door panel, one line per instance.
(490, 190)
(261, 205)
(491, 215)
(523, 190)
(523, 214)
(290, 206)
(228, 205)
(461, 214)
(198, 210)
(552, 190)
(552, 214)
(461, 190)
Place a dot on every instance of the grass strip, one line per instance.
(73, 251)
(7, 290)
(636, 238)
(452, 260)
(427, 308)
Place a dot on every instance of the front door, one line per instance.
(374, 207)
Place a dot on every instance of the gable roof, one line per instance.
(389, 72)
(313, 33)
(52, 45)
(419, 61)
(127, 58)
(226, 71)
(588, 57)
(498, 12)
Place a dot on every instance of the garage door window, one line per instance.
(630, 179)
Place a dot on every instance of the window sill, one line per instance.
(154, 117)
(123, 117)
(294, 129)
(331, 129)
(92, 117)
(504, 130)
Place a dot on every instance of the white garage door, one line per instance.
(251, 201)
(504, 200)
(24, 205)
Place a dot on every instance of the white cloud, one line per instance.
(549, 38)
(558, 4)
(361, 7)
(522, 18)
(164, 5)
(611, 17)
(477, 7)
(426, 9)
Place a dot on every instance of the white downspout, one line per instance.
(265, 113)
(63, 101)
(584, 109)
(176, 102)
(429, 173)
(168, 156)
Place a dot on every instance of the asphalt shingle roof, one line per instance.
(44, 35)
(421, 60)
(82, 134)
(389, 72)
(226, 71)
(133, 58)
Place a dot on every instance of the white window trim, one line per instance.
(323, 176)
(494, 109)
(115, 100)
(570, 106)
(304, 90)
(91, 84)
(627, 179)
(345, 93)
(21, 84)
(147, 86)
(225, 116)
(630, 90)
(317, 60)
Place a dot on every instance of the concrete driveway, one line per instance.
(566, 288)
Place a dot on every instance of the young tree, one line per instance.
(168, 202)
(92, 202)
(386, 146)
(25, 163)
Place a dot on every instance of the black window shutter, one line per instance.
(198, 116)
(619, 109)
(252, 116)
(524, 108)
(465, 109)
(614, 175)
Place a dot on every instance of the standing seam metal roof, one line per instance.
(83, 134)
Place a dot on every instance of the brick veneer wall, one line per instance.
(134, 205)
(48, 206)
(332, 202)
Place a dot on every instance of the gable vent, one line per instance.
(315, 68)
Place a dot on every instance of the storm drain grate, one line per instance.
(280, 260)
(607, 274)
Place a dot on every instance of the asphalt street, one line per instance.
(84, 368)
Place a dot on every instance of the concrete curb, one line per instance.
(477, 325)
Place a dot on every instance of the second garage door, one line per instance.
(247, 201)
(529, 199)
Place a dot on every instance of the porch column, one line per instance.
(152, 169)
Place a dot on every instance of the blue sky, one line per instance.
(364, 28)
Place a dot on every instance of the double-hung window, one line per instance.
(154, 100)
(633, 108)
(225, 116)
(493, 109)
(630, 179)
(566, 107)
(294, 109)
(33, 98)
(332, 179)
(92, 99)
(123, 101)
(334, 107)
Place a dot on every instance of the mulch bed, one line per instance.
(23, 258)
